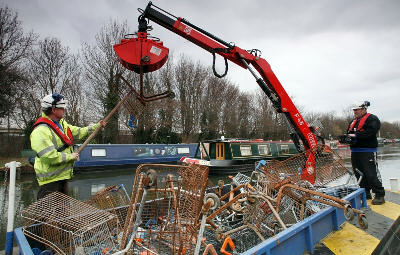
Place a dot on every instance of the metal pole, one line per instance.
(11, 200)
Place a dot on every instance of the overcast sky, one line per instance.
(327, 54)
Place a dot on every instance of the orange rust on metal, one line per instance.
(143, 99)
(227, 241)
(210, 250)
(207, 205)
(228, 204)
(340, 202)
(232, 191)
(171, 208)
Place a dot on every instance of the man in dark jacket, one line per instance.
(362, 131)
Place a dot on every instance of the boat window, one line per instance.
(220, 151)
(285, 148)
(245, 150)
(140, 151)
(235, 150)
(170, 150)
(263, 149)
(184, 150)
(99, 153)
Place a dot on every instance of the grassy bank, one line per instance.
(4, 160)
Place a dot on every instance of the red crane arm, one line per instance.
(268, 82)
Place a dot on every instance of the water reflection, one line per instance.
(85, 185)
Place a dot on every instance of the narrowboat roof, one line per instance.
(243, 140)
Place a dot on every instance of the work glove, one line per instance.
(346, 139)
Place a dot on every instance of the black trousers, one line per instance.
(366, 162)
(60, 186)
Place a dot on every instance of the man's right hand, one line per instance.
(76, 155)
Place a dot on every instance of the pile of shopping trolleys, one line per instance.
(172, 211)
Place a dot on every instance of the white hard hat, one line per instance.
(360, 105)
(54, 100)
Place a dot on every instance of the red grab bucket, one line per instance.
(134, 52)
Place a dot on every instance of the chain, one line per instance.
(5, 178)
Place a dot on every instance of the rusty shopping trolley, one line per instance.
(68, 226)
(333, 181)
(275, 197)
(165, 207)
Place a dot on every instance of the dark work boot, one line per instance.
(378, 201)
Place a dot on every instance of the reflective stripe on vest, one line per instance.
(360, 124)
(54, 140)
(76, 137)
(52, 174)
(66, 139)
(44, 151)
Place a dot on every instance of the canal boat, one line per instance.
(228, 155)
(105, 156)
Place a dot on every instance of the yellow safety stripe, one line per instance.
(76, 137)
(388, 209)
(63, 157)
(52, 174)
(54, 138)
(45, 150)
(350, 240)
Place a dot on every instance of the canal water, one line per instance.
(84, 185)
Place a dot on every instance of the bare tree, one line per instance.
(230, 118)
(52, 68)
(48, 66)
(190, 82)
(212, 105)
(74, 92)
(265, 122)
(14, 48)
(98, 60)
(167, 114)
(102, 68)
(244, 115)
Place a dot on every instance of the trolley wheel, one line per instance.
(362, 221)
(152, 175)
(214, 198)
(219, 234)
(171, 94)
(237, 207)
(250, 198)
(348, 212)
(275, 226)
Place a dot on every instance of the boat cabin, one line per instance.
(226, 156)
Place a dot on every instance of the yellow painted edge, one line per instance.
(350, 240)
(388, 209)
(397, 192)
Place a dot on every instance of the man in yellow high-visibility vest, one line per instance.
(52, 139)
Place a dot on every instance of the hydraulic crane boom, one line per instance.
(268, 81)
